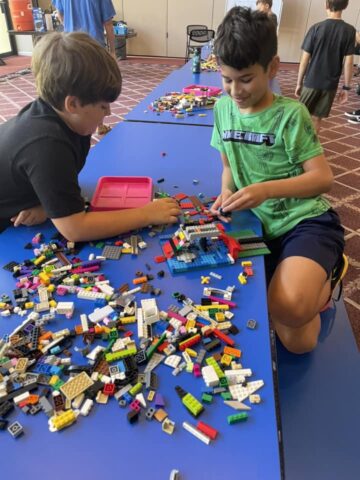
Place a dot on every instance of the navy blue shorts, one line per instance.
(319, 238)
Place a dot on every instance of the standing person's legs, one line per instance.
(318, 102)
(303, 267)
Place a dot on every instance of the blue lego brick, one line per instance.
(216, 255)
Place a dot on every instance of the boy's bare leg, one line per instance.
(297, 292)
(317, 123)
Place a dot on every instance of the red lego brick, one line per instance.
(209, 431)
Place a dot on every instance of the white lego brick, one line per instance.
(86, 408)
(194, 431)
(172, 361)
(87, 295)
(19, 398)
(95, 352)
(150, 310)
(210, 377)
(65, 308)
(141, 399)
(100, 313)
(237, 405)
(240, 393)
(84, 322)
(244, 372)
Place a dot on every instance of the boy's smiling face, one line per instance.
(249, 88)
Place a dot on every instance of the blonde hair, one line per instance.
(74, 64)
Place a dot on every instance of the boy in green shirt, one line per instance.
(274, 164)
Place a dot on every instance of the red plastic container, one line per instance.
(202, 90)
(21, 15)
(118, 193)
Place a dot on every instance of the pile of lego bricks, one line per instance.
(210, 64)
(36, 370)
(182, 104)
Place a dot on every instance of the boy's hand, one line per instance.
(343, 96)
(163, 211)
(298, 91)
(29, 217)
(219, 202)
(248, 197)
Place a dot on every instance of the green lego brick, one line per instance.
(207, 398)
(135, 389)
(224, 382)
(192, 404)
(211, 361)
(111, 357)
(226, 396)
(237, 417)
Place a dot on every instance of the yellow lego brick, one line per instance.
(53, 380)
(211, 307)
(190, 324)
(127, 320)
(226, 360)
(21, 364)
(40, 259)
(246, 263)
(51, 288)
(151, 395)
(76, 385)
(219, 317)
(52, 303)
(191, 352)
(127, 250)
(29, 305)
(242, 279)
(63, 420)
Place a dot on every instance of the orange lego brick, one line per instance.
(234, 352)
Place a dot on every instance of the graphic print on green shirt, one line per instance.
(269, 145)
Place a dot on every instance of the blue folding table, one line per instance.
(105, 444)
(175, 82)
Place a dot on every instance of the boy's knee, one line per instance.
(291, 309)
(295, 343)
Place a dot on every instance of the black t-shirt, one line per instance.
(328, 42)
(40, 159)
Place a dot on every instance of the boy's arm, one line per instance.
(110, 36)
(227, 185)
(316, 179)
(304, 62)
(86, 226)
(348, 71)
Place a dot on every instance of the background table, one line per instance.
(175, 82)
(104, 443)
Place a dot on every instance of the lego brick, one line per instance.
(73, 387)
(15, 429)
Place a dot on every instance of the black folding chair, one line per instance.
(197, 35)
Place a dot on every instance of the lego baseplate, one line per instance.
(251, 244)
(216, 255)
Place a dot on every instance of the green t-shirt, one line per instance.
(269, 145)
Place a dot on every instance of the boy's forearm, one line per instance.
(227, 180)
(110, 35)
(95, 225)
(305, 58)
(348, 69)
(307, 185)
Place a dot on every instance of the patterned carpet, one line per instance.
(340, 139)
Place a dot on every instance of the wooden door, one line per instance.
(149, 19)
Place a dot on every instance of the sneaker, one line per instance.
(355, 121)
(355, 115)
(337, 276)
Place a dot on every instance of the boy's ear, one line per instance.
(274, 66)
(71, 104)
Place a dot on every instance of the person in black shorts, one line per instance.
(327, 47)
